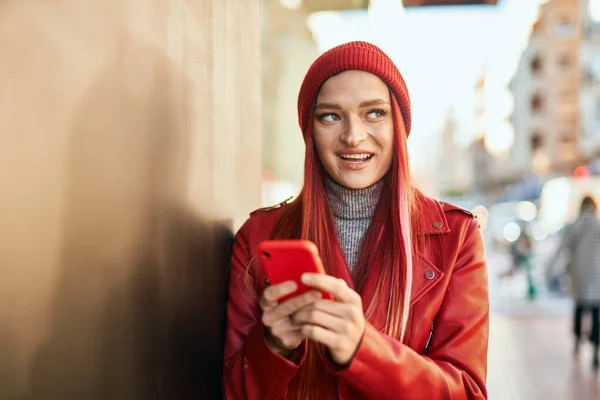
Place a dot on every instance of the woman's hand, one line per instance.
(282, 335)
(338, 324)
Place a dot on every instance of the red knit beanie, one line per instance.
(351, 56)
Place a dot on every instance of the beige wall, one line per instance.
(129, 141)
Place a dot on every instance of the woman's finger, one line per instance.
(329, 284)
(321, 335)
(284, 327)
(294, 304)
(273, 293)
(289, 307)
(330, 322)
(346, 311)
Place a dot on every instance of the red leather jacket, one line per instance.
(444, 355)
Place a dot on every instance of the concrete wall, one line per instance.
(129, 147)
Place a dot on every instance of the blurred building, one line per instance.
(546, 90)
(493, 166)
(454, 171)
(590, 91)
(556, 113)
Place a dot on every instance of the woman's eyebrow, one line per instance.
(367, 103)
(374, 102)
(329, 106)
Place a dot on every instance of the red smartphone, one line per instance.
(287, 260)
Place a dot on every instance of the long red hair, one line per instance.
(389, 240)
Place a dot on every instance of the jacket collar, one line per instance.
(433, 220)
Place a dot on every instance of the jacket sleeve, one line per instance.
(456, 365)
(251, 370)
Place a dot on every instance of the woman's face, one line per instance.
(353, 128)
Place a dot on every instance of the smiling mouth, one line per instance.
(356, 158)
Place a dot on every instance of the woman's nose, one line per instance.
(354, 134)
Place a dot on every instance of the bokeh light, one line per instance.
(512, 231)
(526, 210)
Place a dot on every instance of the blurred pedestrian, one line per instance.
(581, 245)
(521, 257)
(524, 258)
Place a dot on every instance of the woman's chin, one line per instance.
(357, 183)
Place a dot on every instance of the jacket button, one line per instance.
(437, 224)
(429, 275)
(267, 281)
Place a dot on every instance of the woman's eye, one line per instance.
(376, 114)
(328, 117)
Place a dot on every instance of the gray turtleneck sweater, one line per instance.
(353, 210)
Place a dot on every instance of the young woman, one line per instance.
(409, 319)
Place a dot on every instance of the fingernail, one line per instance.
(306, 278)
(291, 286)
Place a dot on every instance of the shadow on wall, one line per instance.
(138, 311)
(7, 360)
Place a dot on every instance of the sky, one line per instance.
(442, 52)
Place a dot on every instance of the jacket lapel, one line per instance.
(425, 274)
(434, 223)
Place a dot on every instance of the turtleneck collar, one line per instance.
(353, 203)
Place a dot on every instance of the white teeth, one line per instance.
(356, 156)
